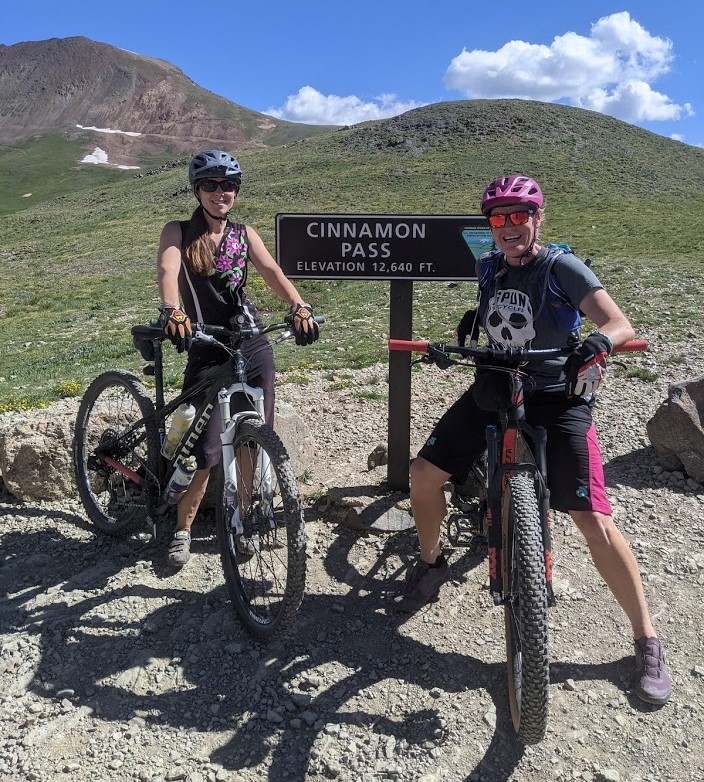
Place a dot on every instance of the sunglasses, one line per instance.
(210, 185)
(516, 218)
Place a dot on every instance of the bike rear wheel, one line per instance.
(525, 609)
(265, 566)
(115, 500)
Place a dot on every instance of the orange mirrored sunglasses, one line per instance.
(516, 218)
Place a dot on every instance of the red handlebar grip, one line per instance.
(632, 346)
(408, 345)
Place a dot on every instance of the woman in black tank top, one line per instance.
(202, 267)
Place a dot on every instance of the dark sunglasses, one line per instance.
(517, 218)
(210, 185)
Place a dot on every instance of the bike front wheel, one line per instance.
(264, 555)
(114, 467)
(525, 609)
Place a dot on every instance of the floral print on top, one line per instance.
(231, 258)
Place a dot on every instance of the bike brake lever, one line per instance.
(201, 336)
(282, 336)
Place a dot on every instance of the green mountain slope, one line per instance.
(78, 270)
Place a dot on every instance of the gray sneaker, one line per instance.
(423, 584)
(653, 683)
(180, 548)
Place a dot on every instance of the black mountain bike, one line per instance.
(514, 518)
(123, 478)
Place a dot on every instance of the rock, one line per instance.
(378, 519)
(35, 456)
(35, 450)
(378, 457)
(676, 430)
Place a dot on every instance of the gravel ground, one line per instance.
(112, 667)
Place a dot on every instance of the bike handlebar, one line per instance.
(245, 331)
(499, 354)
(204, 332)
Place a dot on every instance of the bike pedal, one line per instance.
(143, 538)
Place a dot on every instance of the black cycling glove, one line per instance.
(468, 327)
(305, 328)
(177, 327)
(586, 366)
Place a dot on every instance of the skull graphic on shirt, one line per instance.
(509, 319)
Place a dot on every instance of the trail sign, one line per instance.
(398, 248)
(381, 247)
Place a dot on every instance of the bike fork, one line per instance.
(262, 463)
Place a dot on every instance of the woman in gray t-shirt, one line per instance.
(534, 295)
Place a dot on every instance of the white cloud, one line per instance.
(635, 101)
(609, 71)
(311, 106)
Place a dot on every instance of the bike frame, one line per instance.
(513, 523)
(509, 450)
(219, 389)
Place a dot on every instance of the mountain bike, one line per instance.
(514, 518)
(124, 481)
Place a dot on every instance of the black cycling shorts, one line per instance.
(575, 469)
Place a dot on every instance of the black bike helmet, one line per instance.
(214, 163)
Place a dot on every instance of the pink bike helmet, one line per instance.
(509, 190)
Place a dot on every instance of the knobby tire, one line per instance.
(111, 404)
(265, 567)
(525, 611)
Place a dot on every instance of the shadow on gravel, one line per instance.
(635, 469)
(619, 672)
(614, 672)
(39, 513)
(172, 660)
(186, 664)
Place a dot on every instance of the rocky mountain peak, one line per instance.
(127, 104)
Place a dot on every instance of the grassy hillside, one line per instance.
(79, 269)
(39, 170)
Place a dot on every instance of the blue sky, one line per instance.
(319, 61)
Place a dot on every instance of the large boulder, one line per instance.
(35, 456)
(35, 449)
(676, 430)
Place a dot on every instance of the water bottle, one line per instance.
(180, 480)
(182, 418)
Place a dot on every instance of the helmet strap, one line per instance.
(527, 256)
(219, 218)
